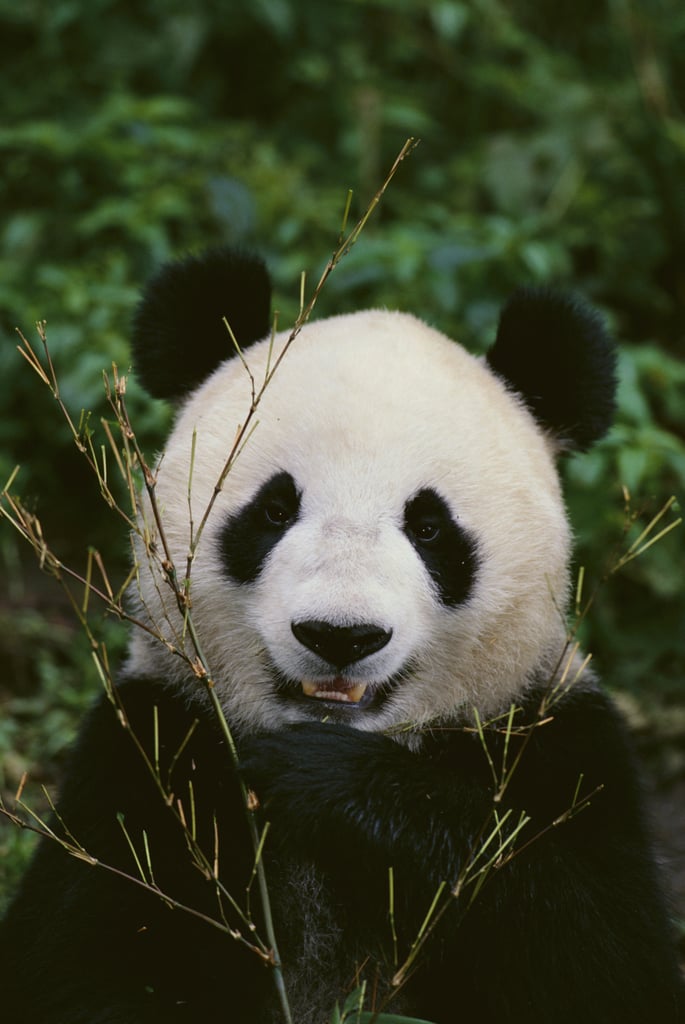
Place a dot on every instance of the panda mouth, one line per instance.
(334, 692)
(340, 690)
(339, 696)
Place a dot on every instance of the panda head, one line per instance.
(390, 546)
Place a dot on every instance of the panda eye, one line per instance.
(426, 532)
(448, 552)
(424, 518)
(277, 514)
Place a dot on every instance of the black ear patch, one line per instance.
(555, 351)
(179, 334)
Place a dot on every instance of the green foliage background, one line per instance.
(553, 150)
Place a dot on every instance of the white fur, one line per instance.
(364, 411)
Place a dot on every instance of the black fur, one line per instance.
(445, 548)
(179, 334)
(555, 351)
(571, 929)
(251, 533)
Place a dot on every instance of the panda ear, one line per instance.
(179, 333)
(555, 351)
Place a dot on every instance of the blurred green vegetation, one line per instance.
(553, 150)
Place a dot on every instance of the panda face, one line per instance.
(348, 616)
(390, 546)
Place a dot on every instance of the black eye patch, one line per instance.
(250, 534)
(447, 551)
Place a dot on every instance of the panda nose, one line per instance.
(340, 645)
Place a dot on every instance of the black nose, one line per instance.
(341, 645)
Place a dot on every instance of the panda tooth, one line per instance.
(323, 691)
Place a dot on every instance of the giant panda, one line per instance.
(380, 593)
